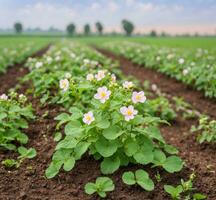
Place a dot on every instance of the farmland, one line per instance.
(107, 117)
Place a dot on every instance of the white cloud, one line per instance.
(95, 6)
(112, 6)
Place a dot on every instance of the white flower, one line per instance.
(88, 118)
(72, 55)
(138, 97)
(185, 71)
(181, 61)
(154, 87)
(57, 58)
(128, 112)
(100, 75)
(38, 65)
(89, 77)
(170, 56)
(158, 58)
(67, 75)
(4, 97)
(21, 96)
(49, 59)
(128, 84)
(113, 78)
(86, 61)
(64, 84)
(94, 63)
(102, 94)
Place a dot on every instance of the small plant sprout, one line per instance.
(140, 177)
(184, 190)
(128, 84)
(101, 186)
(138, 97)
(88, 118)
(64, 84)
(24, 154)
(128, 112)
(207, 129)
(102, 94)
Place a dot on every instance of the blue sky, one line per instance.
(174, 16)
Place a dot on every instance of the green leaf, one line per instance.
(53, 170)
(110, 165)
(173, 191)
(27, 153)
(102, 194)
(199, 196)
(105, 147)
(69, 164)
(154, 132)
(112, 132)
(130, 147)
(173, 164)
(73, 128)
(159, 157)
(68, 142)
(105, 183)
(143, 180)
(170, 149)
(90, 188)
(103, 124)
(129, 178)
(76, 112)
(144, 156)
(57, 136)
(80, 149)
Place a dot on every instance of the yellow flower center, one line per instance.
(138, 97)
(88, 117)
(103, 94)
(129, 112)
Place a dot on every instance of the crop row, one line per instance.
(195, 67)
(17, 51)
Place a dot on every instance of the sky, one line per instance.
(172, 16)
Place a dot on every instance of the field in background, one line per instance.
(187, 42)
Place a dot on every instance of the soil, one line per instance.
(28, 181)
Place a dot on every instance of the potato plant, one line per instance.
(14, 116)
(206, 129)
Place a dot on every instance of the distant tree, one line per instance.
(163, 34)
(128, 27)
(71, 28)
(99, 27)
(153, 33)
(18, 27)
(87, 29)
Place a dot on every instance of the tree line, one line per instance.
(127, 26)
